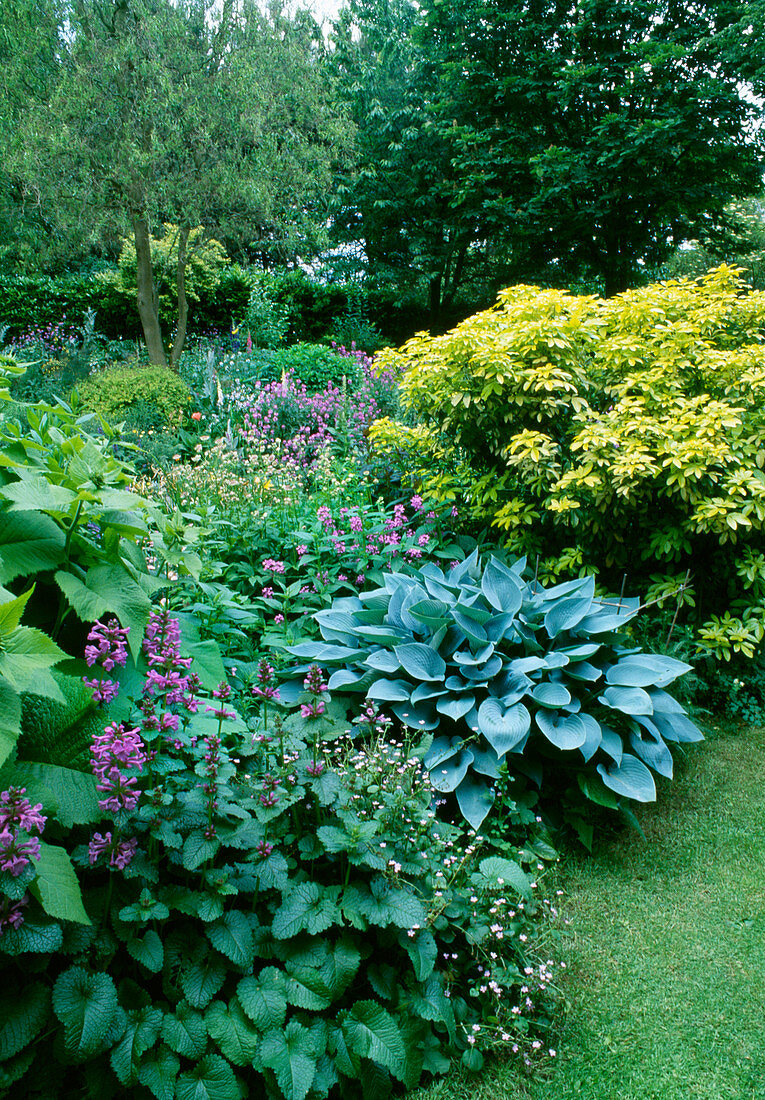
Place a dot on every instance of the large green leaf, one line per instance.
(66, 793)
(201, 980)
(158, 1072)
(291, 1055)
(630, 777)
(550, 693)
(232, 936)
(648, 746)
(109, 588)
(677, 727)
(264, 998)
(565, 731)
(633, 700)
(475, 799)
(11, 611)
(422, 949)
(305, 907)
(185, 1031)
(383, 904)
(372, 1033)
(30, 542)
(235, 1035)
(421, 661)
(25, 653)
(23, 1012)
(37, 494)
(503, 727)
(389, 691)
(56, 886)
(646, 670)
(140, 1035)
(10, 719)
(499, 871)
(502, 588)
(448, 774)
(86, 1005)
(212, 1078)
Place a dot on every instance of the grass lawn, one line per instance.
(666, 948)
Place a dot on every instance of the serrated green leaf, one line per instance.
(306, 989)
(505, 872)
(291, 1055)
(29, 543)
(382, 904)
(65, 793)
(210, 1079)
(200, 981)
(305, 908)
(422, 950)
(372, 1033)
(236, 1036)
(232, 936)
(197, 849)
(264, 998)
(56, 886)
(32, 936)
(158, 1072)
(27, 652)
(86, 1005)
(185, 1032)
(147, 950)
(141, 1034)
(23, 1014)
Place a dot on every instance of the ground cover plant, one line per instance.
(626, 431)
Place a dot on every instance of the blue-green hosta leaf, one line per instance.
(568, 613)
(485, 761)
(30, 543)
(583, 670)
(212, 1078)
(630, 777)
(86, 1005)
(502, 588)
(511, 686)
(608, 617)
(390, 691)
(505, 872)
(580, 652)
(417, 717)
(448, 774)
(503, 727)
(321, 652)
(440, 590)
(372, 1033)
(565, 731)
(443, 748)
(593, 736)
(382, 660)
(499, 627)
(337, 626)
(382, 635)
(648, 746)
(264, 998)
(484, 672)
(475, 610)
(677, 727)
(343, 677)
(521, 665)
(629, 701)
(431, 612)
(466, 657)
(594, 789)
(472, 630)
(304, 908)
(474, 798)
(556, 658)
(646, 670)
(421, 661)
(550, 693)
(664, 703)
(425, 693)
(56, 886)
(611, 743)
(455, 707)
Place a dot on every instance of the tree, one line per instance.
(397, 200)
(191, 113)
(590, 137)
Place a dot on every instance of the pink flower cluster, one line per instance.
(18, 818)
(113, 752)
(106, 648)
(299, 425)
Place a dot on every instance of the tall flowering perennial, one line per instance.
(18, 818)
(114, 754)
(106, 648)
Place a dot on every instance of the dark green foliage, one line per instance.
(543, 681)
(60, 733)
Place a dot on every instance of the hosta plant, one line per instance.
(504, 672)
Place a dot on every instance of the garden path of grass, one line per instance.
(666, 948)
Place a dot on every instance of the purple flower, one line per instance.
(278, 619)
(11, 912)
(273, 566)
(301, 550)
(104, 691)
(107, 646)
(416, 502)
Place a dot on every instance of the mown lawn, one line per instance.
(665, 951)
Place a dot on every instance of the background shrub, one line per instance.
(114, 392)
(630, 427)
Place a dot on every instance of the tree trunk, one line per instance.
(183, 304)
(147, 299)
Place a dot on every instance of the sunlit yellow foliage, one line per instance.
(633, 426)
